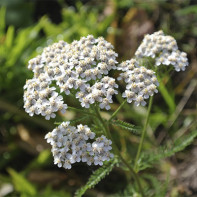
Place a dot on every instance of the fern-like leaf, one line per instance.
(96, 177)
(127, 126)
(148, 159)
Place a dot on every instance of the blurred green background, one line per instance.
(27, 26)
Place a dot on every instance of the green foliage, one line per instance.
(97, 176)
(127, 126)
(15, 49)
(82, 18)
(21, 184)
(148, 159)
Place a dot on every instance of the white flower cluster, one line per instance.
(77, 67)
(141, 82)
(69, 145)
(164, 49)
(40, 98)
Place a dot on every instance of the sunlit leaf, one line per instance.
(9, 36)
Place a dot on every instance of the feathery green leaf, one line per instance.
(127, 126)
(96, 177)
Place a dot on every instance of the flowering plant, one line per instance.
(82, 69)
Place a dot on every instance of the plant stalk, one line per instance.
(115, 113)
(143, 133)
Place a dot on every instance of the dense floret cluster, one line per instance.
(70, 145)
(40, 98)
(77, 67)
(141, 82)
(164, 49)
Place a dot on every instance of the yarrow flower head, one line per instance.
(164, 49)
(141, 82)
(75, 144)
(80, 67)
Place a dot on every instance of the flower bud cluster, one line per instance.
(73, 68)
(70, 145)
(164, 49)
(141, 82)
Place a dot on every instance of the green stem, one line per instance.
(114, 114)
(143, 133)
(117, 152)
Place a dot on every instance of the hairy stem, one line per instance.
(143, 133)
